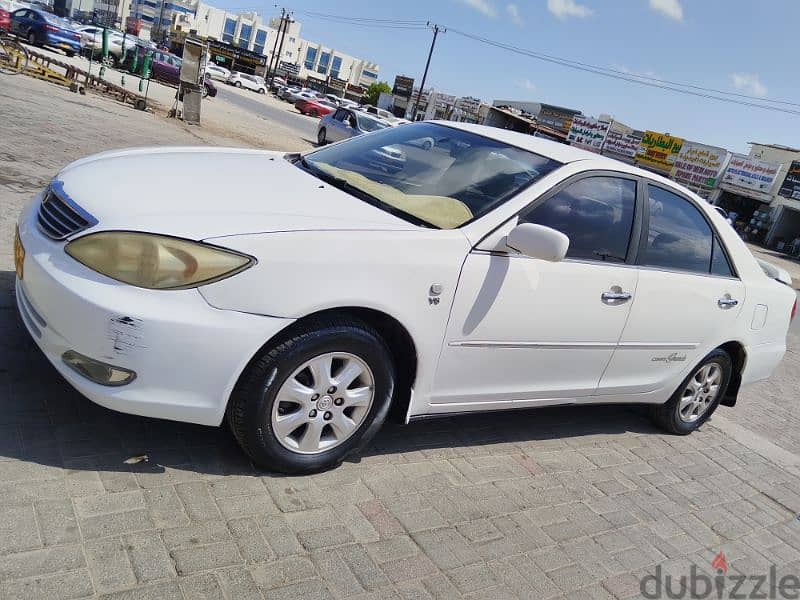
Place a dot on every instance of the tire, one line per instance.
(313, 113)
(262, 91)
(32, 38)
(205, 91)
(238, 84)
(669, 417)
(70, 54)
(322, 137)
(259, 400)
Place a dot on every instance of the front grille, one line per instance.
(59, 217)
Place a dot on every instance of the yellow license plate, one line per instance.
(19, 255)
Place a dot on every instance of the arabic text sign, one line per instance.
(659, 149)
(750, 173)
(622, 142)
(791, 184)
(699, 165)
(587, 133)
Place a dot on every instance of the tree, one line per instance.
(374, 92)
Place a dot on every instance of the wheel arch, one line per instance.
(397, 337)
(738, 356)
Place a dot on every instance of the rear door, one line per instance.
(687, 299)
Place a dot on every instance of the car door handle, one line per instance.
(616, 296)
(727, 302)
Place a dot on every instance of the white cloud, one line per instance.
(564, 9)
(668, 8)
(527, 84)
(482, 6)
(749, 83)
(513, 13)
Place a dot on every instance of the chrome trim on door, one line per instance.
(571, 345)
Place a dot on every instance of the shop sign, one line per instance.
(791, 184)
(403, 86)
(622, 140)
(659, 150)
(750, 173)
(587, 133)
(699, 165)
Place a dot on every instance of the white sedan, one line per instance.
(249, 82)
(493, 271)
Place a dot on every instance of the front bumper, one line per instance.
(186, 354)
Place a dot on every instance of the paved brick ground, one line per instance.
(571, 503)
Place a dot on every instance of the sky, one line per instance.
(737, 46)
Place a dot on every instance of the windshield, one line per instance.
(366, 123)
(429, 174)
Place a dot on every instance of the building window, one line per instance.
(324, 59)
(292, 40)
(336, 66)
(311, 56)
(244, 35)
(369, 74)
(229, 31)
(261, 41)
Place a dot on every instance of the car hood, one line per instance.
(200, 193)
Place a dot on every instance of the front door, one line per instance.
(528, 331)
(687, 300)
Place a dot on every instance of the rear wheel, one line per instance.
(262, 91)
(238, 84)
(32, 38)
(322, 137)
(697, 397)
(313, 399)
(313, 113)
(70, 54)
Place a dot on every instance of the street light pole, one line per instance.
(436, 30)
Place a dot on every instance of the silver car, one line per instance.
(345, 123)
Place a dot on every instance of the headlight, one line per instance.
(155, 261)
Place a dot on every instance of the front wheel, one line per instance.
(697, 397)
(322, 137)
(307, 403)
(238, 84)
(262, 91)
(32, 38)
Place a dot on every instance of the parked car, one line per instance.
(41, 28)
(5, 20)
(248, 82)
(304, 94)
(346, 123)
(314, 108)
(374, 110)
(217, 72)
(277, 82)
(166, 67)
(118, 43)
(337, 100)
(287, 92)
(518, 273)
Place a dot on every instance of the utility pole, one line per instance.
(275, 45)
(286, 21)
(436, 31)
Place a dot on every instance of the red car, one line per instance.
(5, 20)
(315, 108)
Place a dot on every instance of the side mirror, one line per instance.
(538, 241)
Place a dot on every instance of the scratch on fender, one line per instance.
(125, 333)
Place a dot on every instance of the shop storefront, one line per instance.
(236, 59)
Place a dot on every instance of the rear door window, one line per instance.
(679, 237)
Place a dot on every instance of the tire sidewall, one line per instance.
(261, 437)
(680, 426)
(322, 136)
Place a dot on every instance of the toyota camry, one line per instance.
(492, 270)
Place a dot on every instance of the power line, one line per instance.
(625, 77)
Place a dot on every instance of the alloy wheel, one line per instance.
(700, 392)
(323, 403)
